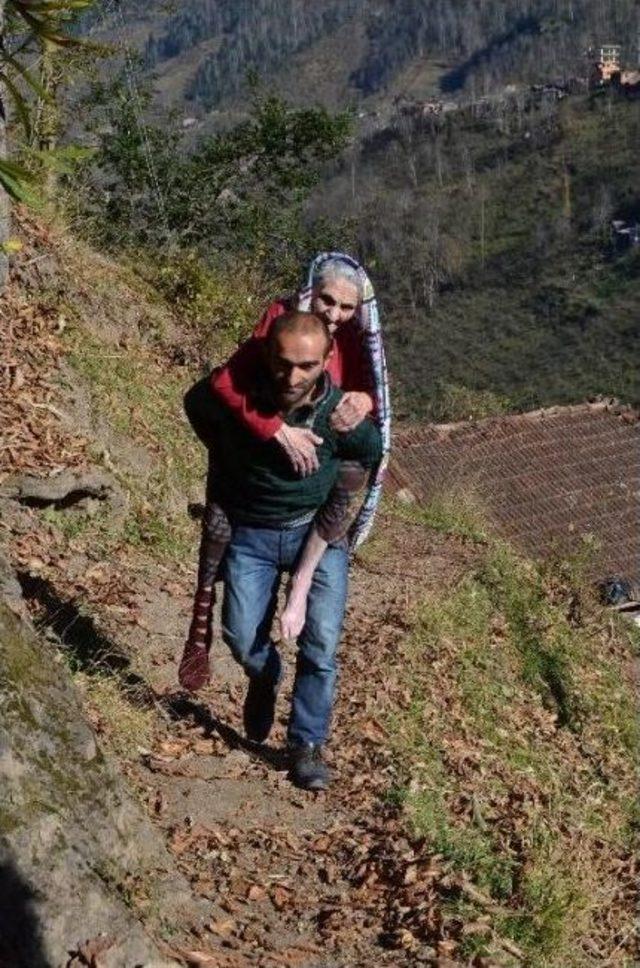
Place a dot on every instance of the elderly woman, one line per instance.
(339, 291)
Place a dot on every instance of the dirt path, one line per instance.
(291, 876)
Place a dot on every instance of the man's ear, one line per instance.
(330, 352)
(268, 350)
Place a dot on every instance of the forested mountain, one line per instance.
(489, 42)
(203, 50)
(488, 230)
(250, 35)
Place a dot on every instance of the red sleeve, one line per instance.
(355, 370)
(233, 382)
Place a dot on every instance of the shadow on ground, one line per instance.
(87, 648)
(21, 943)
(181, 707)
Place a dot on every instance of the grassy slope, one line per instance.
(134, 352)
(519, 752)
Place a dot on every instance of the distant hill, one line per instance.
(486, 222)
(488, 231)
(343, 51)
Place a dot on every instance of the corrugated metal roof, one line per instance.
(545, 478)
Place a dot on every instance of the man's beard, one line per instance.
(289, 398)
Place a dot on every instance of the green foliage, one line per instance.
(44, 18)
(30, 26)
(240, 191)
(143, 402)
(221, 303)
(18, 183)
(457, 513)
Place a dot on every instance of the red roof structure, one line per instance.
(543, 478)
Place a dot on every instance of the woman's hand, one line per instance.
(351, 411)
(299, 444)
(295, 611)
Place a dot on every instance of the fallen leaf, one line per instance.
(280, 897)
(321, 843)
(411, 874)
(200, 959)
(88, 953)
(204, 747)
(173, 747)
(221, 928)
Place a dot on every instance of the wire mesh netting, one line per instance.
(546, 480)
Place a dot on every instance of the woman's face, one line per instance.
(335, 301)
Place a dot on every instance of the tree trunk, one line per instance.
(5, 210)
(46, 119)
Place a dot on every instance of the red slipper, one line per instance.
(193, 671)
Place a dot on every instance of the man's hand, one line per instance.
(351, 411)
(295, 610)
(299, 444)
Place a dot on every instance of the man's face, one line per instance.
(335, 301)
(296, 360)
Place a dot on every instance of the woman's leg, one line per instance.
(193, 672)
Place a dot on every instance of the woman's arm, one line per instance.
(356, 378)
(351, 411)
(233, 383)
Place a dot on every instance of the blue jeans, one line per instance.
(255, 560)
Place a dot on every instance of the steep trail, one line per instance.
(288, 877)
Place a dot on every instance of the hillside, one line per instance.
(488, 230)
(485, 737)
(485, 219)
(342, 53)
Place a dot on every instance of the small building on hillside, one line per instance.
(543, 479)
(608, 71)
(609, 61)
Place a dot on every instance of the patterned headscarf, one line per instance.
(369, 324)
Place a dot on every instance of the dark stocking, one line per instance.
(193, 672)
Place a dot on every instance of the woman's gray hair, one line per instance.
(337, 269)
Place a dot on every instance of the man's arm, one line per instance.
(331, 524)
(359, 452)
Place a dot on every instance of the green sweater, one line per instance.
(253, 479)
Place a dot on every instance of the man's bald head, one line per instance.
(300, 323)
(297, 348)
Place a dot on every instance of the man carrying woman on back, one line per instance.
(340, 295)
